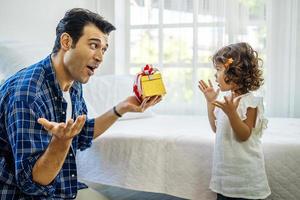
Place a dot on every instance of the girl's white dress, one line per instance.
(238, 167)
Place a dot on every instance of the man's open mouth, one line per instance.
(91, 70)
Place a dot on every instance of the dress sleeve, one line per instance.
(251, 101)
(28, 140)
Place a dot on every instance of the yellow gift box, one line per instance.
(152, 85)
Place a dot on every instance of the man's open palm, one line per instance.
(64, 131)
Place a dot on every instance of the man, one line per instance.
(38, 136)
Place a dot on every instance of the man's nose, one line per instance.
(99, 56)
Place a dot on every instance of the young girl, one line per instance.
(238, 163)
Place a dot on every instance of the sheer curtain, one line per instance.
(180, 36)
(282, 64)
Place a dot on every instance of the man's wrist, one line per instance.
(116, 112)
(60, 144)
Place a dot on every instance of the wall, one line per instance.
(297, 94)
(34, 22)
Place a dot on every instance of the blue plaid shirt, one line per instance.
(28, 95)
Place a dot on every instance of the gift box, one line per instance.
(148, 83)
(152, 85)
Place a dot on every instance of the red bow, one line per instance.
(137, 88)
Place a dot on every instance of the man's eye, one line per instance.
(93, 46)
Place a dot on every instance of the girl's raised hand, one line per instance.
(229, 105)
(208, 90)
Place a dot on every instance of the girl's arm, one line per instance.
(210, 95)
(242, 129)
(211, 116)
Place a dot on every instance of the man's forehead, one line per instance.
(92, 32)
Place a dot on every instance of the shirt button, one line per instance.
(72, 175)
(71, 154)
(63, 112)
(55, 98)
(74, 196)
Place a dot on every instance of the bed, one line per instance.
(173, 155)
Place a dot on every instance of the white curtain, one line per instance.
(282, 63)
(209, 24)
(272, 27)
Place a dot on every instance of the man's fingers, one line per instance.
(82, 123)
(78, 124)
(158, 100)
(153, 100)
(45, 123)
(69, 125)
(142, 106)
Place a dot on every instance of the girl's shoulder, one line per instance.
(250, 100)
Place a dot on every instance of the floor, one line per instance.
(116, 193)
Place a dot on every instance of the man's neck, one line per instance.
(63, 77)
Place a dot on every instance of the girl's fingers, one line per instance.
(237, 100)
(226, 99)
(210, 84)
(206, 86)
(216, 104)
(202, 85)
(201, 88)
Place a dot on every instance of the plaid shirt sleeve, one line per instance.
(28, 141)
(86, 135)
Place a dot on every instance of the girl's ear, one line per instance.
(226, 79)
(65, 41)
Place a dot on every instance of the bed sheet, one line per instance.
(173, 155)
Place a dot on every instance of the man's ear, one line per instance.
(65, 41)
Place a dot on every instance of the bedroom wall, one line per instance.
(34, 22)
(297, 94)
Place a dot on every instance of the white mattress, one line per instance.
(173, 155)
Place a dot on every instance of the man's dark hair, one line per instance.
(73, 23)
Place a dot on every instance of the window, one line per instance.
(180, 36)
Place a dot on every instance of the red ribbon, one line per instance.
(137, 87)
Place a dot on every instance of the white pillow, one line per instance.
(16, 55)
(101, 93)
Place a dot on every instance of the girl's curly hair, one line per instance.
(245, 70)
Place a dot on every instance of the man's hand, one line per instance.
(131, 104)
(64, 131)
